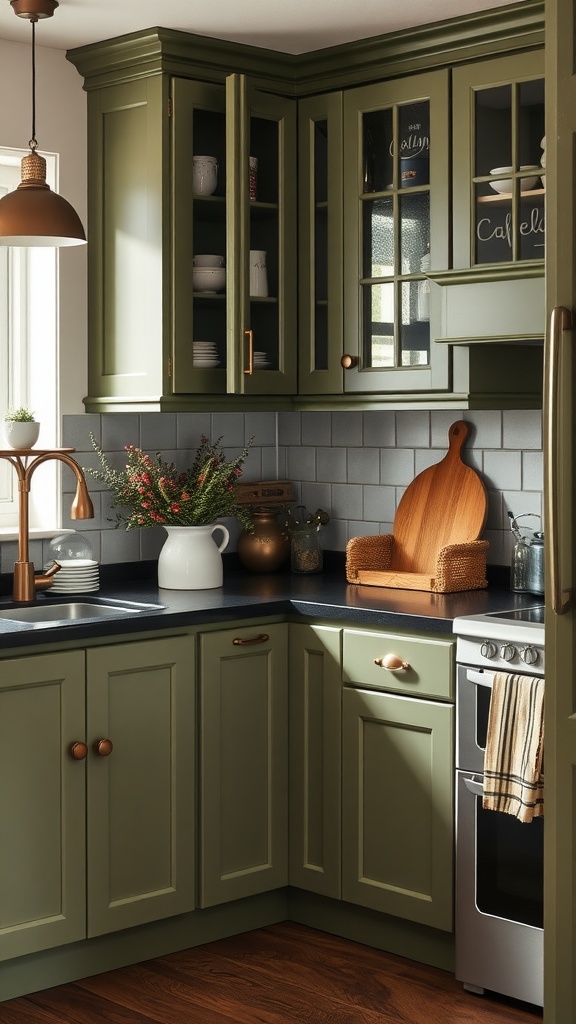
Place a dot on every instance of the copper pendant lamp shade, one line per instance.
(32, 214)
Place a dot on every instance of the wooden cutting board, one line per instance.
(445, 504)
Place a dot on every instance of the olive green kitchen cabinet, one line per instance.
(42, 803)
(397, 775)
(495, 288)
(147, 221)
(97, 805)
(140, 786)
(243, 757)
(315, 759)
(321, 242)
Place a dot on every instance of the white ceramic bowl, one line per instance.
(505, 184)
(208, 279)
(205, 260)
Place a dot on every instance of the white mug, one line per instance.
(258, 273)
(204, 174)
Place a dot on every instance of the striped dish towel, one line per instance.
(513, 768)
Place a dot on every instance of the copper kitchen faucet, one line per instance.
(26, 583)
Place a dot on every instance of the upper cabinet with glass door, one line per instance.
(261, 241)
(396, 217)
(499, 166)
(198, 217)
(234, 236)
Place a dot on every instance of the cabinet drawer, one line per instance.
(429, 661)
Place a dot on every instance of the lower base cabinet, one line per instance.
(97, 807)
(315, 758)
(397, 808)
(243, 762)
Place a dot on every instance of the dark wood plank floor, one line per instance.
(285, 973)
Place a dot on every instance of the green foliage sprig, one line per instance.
(21, 415)
(150, 492)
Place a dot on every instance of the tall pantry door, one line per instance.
(560, 484)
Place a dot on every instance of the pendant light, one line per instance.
(32, 214)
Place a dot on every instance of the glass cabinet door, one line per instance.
(320, 272)
(200, 276)
(396, 173)
(500, 165)
(261, 241)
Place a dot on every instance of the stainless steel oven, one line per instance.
(499, 860)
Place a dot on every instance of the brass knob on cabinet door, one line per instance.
(103, 747)
(392, 662)
(349, 362)
(78, 750)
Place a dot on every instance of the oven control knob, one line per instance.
(507, 652)
(529, 655)
(488, 649)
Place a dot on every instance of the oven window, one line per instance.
(509, 872)
(483, 695)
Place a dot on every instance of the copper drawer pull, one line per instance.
(78, 750)
(392, 662)
(103, 748)
(261, 638)
(250, 369)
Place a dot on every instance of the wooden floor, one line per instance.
(274, 975)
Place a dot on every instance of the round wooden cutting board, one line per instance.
(445, 504)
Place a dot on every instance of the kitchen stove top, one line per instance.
(510, 640)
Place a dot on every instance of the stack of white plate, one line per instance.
(205, 354)
(76, 576)
(261, 361)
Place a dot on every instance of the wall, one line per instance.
(355, 465)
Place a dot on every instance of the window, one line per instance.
(28, 354)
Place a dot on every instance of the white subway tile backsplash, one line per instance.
(316, 428)
(380, 429)
(347, 501)
(363, 466)
(301, 463)
(485, 429)
(331, 465)
(412, 429)
(354, 464)
(379, 503)
(397, 466)
(522, 429)
(532, 471)
(158, 433)
(503, 469)
(347, 428)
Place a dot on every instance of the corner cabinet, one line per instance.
(158, 339)
(97, 820)
(243, 762)
(315, 758)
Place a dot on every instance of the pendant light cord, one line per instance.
(33, 142)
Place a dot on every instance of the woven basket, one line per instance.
(458, 566)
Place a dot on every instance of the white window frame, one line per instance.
(29, 358)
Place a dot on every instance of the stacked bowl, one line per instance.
(205, 354)
(208, 273)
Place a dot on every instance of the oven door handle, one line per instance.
(476, 786)
(480, 678)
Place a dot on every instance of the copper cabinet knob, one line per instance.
(348, 362)
(78, 750)
(392, 662)
(103, 747)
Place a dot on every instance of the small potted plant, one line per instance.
(20, 428)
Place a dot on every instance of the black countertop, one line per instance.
(325, 596)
